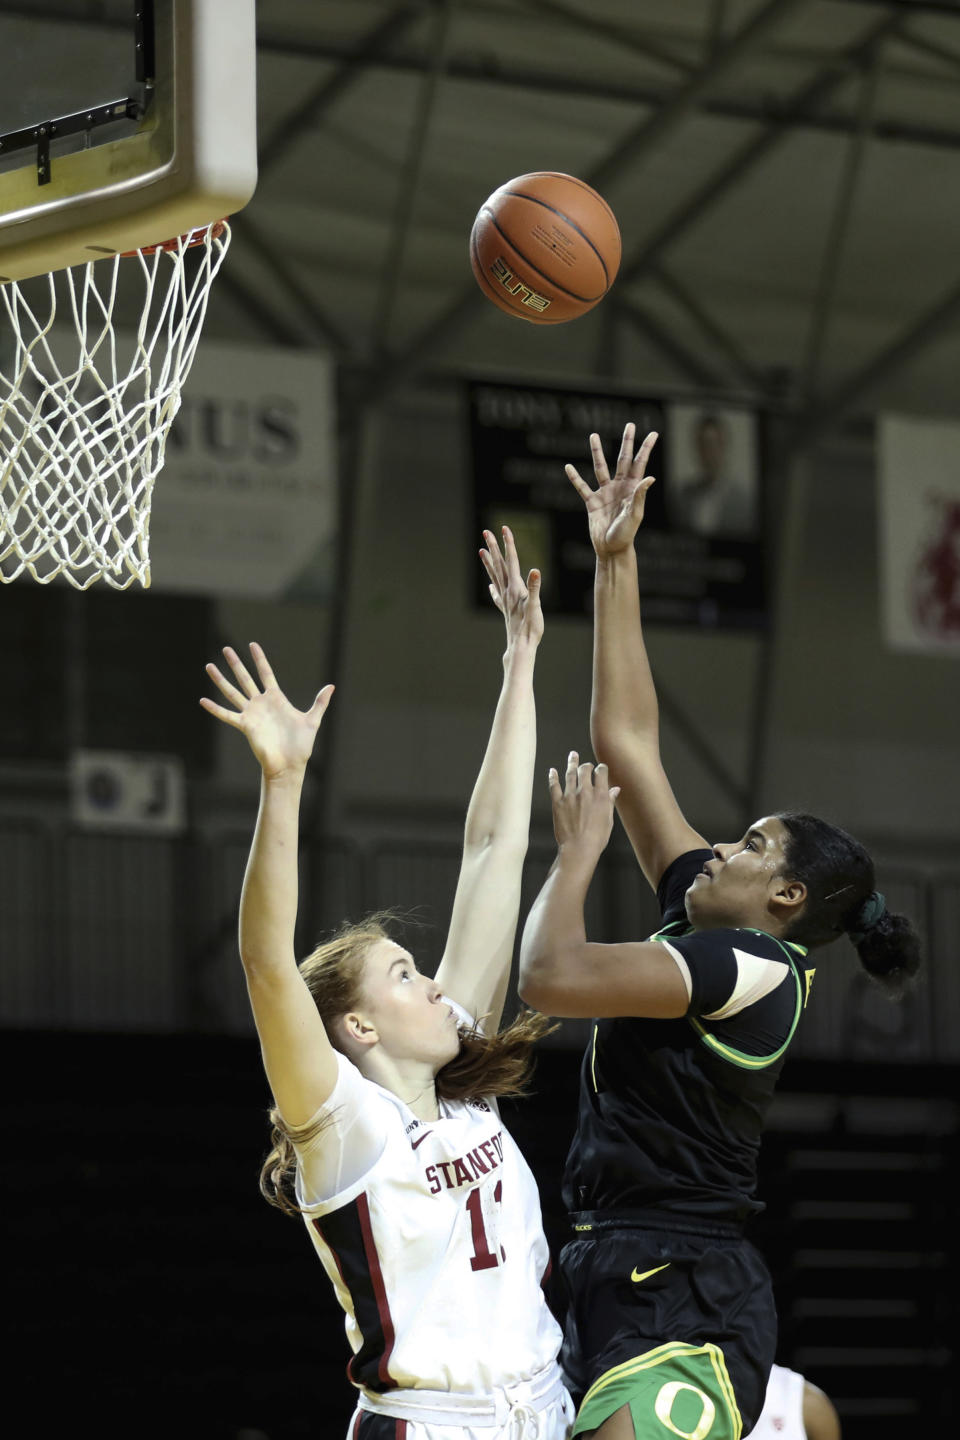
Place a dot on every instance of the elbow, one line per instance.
(528, 988)
(537, 995)
(542, 982)
(557, 995)
(533, 976)
(505, 845)
(606, 738)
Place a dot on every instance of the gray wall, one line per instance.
(862, 735)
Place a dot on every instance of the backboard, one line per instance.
(122, 131)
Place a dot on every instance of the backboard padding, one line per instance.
(192, 158)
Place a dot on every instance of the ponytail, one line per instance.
(888, 945)
(838, 875)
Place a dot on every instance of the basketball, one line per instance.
(545, 247)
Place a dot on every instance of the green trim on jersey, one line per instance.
(683, 1389)
(727, 1052)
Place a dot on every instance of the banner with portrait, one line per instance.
(918, 481)
(700, 546)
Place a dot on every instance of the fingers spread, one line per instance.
(230, 716)
(599, 460)
(323, 699)
(493, 561)
(510, 555)
(244, 678)
(643, 454)
(225, 687)
(625, 457)
(267, 677)
(577, 481)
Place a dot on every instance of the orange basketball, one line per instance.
(545, 247)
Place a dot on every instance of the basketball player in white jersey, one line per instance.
(795, 1410)
(387, 1138)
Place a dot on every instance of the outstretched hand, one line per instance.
(615, 508)
(583, 807)
(517, 600)
(280, 736)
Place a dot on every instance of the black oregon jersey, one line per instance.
(671, 1111)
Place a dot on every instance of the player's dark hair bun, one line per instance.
(890, 952)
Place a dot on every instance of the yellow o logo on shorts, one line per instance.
(663, 1405)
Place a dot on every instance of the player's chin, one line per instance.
(696, 902)
(448, 1048)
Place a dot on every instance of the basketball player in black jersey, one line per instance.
(671, 1326)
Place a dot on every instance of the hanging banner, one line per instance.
(699, 547)
(247, 497)
(919, 511)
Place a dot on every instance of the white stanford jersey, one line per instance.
(782, 1415)
(437, 1252)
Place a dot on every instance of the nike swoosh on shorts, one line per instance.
(647, 1273)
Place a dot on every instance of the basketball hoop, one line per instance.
(84, 417)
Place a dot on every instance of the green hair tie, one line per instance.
(868, 917)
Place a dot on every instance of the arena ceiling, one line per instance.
(786, 174)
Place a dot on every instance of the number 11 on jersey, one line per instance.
(483, 1258)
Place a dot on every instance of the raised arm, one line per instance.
(561, 972)
(475, 967)
(624, 716)
(299, 1060)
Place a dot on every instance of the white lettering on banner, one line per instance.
(247, 494)
(919, 509)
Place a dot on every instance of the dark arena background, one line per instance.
(786, 177)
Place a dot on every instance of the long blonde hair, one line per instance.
(499, 1064)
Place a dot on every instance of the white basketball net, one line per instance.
(82, 434)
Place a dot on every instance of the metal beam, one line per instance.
(640, 41)
(638, 142)
(286, 278)
(308, 112)
(785, 539)
(486, 71)
(251, 302)
(764, 110)
(609, 362)
(408, 188)
(911, 7)
(817, 423)
(689, 363)
(705, 322)
(716, 26)
(651, 132)
(810, 95)
(699, 746)
(495, 71)
(837, 234)
(922, 46)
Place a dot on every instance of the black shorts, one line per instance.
(632, 1287)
